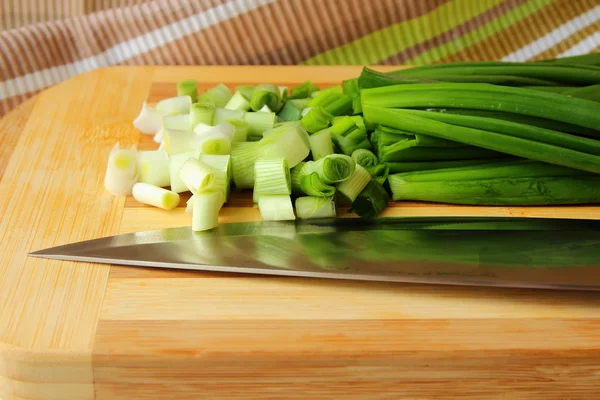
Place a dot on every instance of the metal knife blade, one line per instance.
(509, 252)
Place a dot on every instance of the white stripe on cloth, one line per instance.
(556, 36)
(586, 46)
(130, 48)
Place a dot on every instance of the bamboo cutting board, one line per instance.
(82, 331)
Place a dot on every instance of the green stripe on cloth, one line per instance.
(502, 22)
(376, 46)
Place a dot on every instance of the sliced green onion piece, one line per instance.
(189, 205)
(276, 208)
(283, 93)
(155, 196)
(218, 96)
(288, 141)
(305, 111)
(238, 102)
(341, 106)
(243, 157)
(337, 89)
(188, 88)
(205, 214)
(334, 168)
(121, 171)
(303, 90)
(379, 172)
(196, 175)
(174, 105)
(353, 186)
(258, 123)
(312, 185)
(265, 109)
(321, 144)
(217, 140)
(310, 207)
(224, 115)
(240, 133)
(265, 94)
(158, 137)
(202, 113)
(179, 141)
(179, 122)
(176, 161)
(316, 119)
(365, 158)
(350, 134)
(220, 162)
(271, 176)
(323, 100)
(149, 120)
(371, 201)
(245, 90)
(153, 167)
(290, 111)
(295, 174)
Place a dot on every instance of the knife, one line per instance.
(509, 252)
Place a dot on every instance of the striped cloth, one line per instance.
(43, 42)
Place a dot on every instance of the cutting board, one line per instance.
(83, 331)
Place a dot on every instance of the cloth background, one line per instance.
(43, 42)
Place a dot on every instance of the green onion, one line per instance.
(176, 161)
(180, 141)
(373, 79)
(218, 96)
(291, 111)
(349, 136)
(197, 176)
(179, 122)
(149, 120)
(153, 168)
(323, 100)
(312, 185)
(520, 147)
(591, 92)
(396, 167)
(365, 158)
(316, 119)
(188, 88)
(238, 102)
(245, 90)
(271, 176)
(371, 201)
(174, 105)
(295, 175)
(265, 94)
(351, 88)
(310, 207)
(155, 196)
(240, 130)
(337, 89)
(552, 106)
(353, 186)
(202, 113)
(283, 93)
(341, 106)
(321, 144)
(221, 166)
(276, 208)
(205, 213)
(334, 168)
(303, 90)
(243, 157)
(379, 172)
(121, 171)
(223, 115)
(288, 141)
(258, 123)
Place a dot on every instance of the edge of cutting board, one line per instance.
(50, 310)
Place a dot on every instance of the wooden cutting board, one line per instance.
(83, 331)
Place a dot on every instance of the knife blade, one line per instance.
(485, 251)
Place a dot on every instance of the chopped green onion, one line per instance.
(238, 102)
(153, 167)
(337, 89)
(276, 208)
(202, 113)
(265, 94)
(295, 175)
(205, 214)
(291, 111)
(310, 207)
(316, 119)
(218, 96)
(149, 120)
(303, 90)
(121, 171)
(258, 123)
(379, 172)
(174, 105)
(321, 144)
(341, 106)
(365, 158)
(155, 196)
(312, 185)
(158, 137)
(178, 122)
(221, 165)
(353, 186)
(224, 115)
(188, 88)
(397, 167)
(243, 157)
(349, 134)
(240, 133)
(265, 109)
(196, 175)
(180, 141)
(216, 140)
(334, 168)
(176, 161)
(288, 141)
(271, 176)
(371, 201)
(283, 93)
(189, 205)
(323, 100)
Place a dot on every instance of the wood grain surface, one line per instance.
(85, 331)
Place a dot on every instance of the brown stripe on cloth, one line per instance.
(296, 33)
(523, 32)
(450, 35)
(88, 36)
(569, 42)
